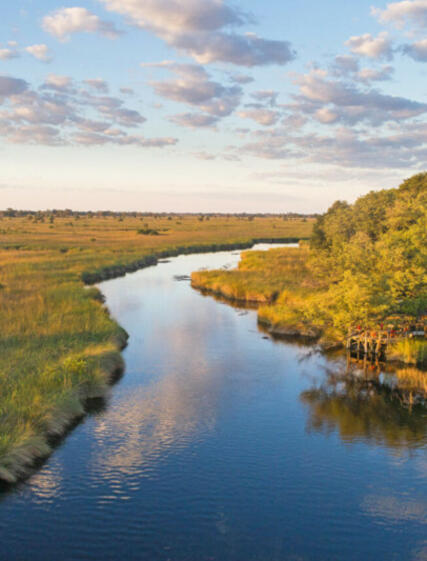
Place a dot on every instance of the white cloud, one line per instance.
(204, 156)
(345, 148)
(60, 112)
(7, 54)
(11, 86)
(345, 64)
(243, 50)
(94, 139)
(372, 47)
(177, 16)
(194, 120)
(265, 117)
(64, 22)
(97, 84)
(57, 82)
(325, 115)
(351, 104)
(269, 96)
(35, 134)
(241, 79)
(194, 87)
(40, 52)
(368, 75)
(204, 30)
(402, 13)
(417, 51)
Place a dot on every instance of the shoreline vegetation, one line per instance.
(365, 269)
(59, 347)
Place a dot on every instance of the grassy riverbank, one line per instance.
(279, 280)
(260, 277)
(58, 346)
(366, 266)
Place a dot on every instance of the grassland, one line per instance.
(260, 277)
(58, 344)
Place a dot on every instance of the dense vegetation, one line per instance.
(58, 345)
(366, 265)
(375, 255)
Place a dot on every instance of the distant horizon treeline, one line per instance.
(68, 213)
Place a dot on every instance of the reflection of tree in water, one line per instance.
(364, 409)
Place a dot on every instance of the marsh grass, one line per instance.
(58, 344)
(409, 351)
(412, 379)
(279, 280)
(260, 277)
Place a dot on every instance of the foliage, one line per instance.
(367, 262)
(376, 252)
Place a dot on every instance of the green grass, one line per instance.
(278, 279)
(261, 275)
(409, 351)
(58, 345)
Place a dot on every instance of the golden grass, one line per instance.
(260, 277)
(279, 280)
(412, 379)
(409, 351)
(57, 344)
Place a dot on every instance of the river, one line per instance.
(222, 444)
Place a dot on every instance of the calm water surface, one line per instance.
(219, 444)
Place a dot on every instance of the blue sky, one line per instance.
(208, 105)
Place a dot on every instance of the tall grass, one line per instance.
(279, 280)
(412, 379)
(260, 277)
(58, 345)
(409, 351)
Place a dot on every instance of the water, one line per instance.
(220, 444)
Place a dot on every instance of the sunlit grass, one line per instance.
(57, 343)
(260, 277)
(278, 279)
(410, 351)
(412, 379)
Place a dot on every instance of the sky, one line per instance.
(209, 105)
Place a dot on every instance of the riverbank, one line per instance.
(281, 285)
(364, 269)
(278, 281)
(58, 345)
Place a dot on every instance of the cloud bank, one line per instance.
(60, 111)
(204, 30)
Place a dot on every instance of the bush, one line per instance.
(148, 232)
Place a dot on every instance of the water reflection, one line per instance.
(395, 509)
(154, 419)
(368, 407)
(46, 484)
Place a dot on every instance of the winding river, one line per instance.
(221, 444)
